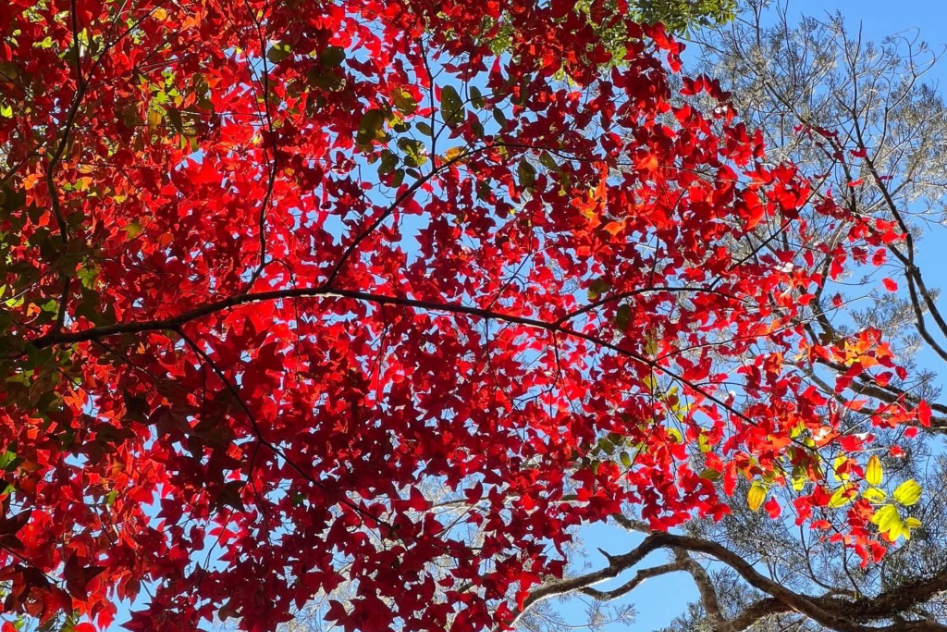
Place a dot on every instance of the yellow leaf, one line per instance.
(897, 529)
(155, 116)
(908, 493)
(756, 496)
(875, 495)
(453, 153)
(798, 482)
(874, 473)
(840, 498)
(703, 443)
(909, 523)
(887, 519)
(651, 348)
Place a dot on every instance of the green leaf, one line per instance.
(7, 459)
(332, 56)
(133, 229)
(325, 79)
(605, 445)
(500, 118)
(625, 459)
(174, 116)
(597, 288)
(404, 101)
(389, 162)
(279, 52)
(11, 200)
(622, 316)
(908, 493)
(548, 161)
(452, 108)
(370, 128)
(526, 173)
(476, 99)
(425, 129)
(711, 474)
(87, 275)
(414, 151)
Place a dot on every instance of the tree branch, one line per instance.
(830, 611)
(174, 324)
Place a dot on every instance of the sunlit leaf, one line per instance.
(908, 493)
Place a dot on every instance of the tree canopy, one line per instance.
(274, 273)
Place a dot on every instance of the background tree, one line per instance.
(681, 16)
(353, 302)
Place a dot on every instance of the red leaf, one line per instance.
(924, 414)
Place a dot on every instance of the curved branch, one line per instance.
(762, 609)
(634, 582)
(829, 611)
(174, 324)
(708, 595)
(616, 565)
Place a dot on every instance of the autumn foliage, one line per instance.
(274, 271)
